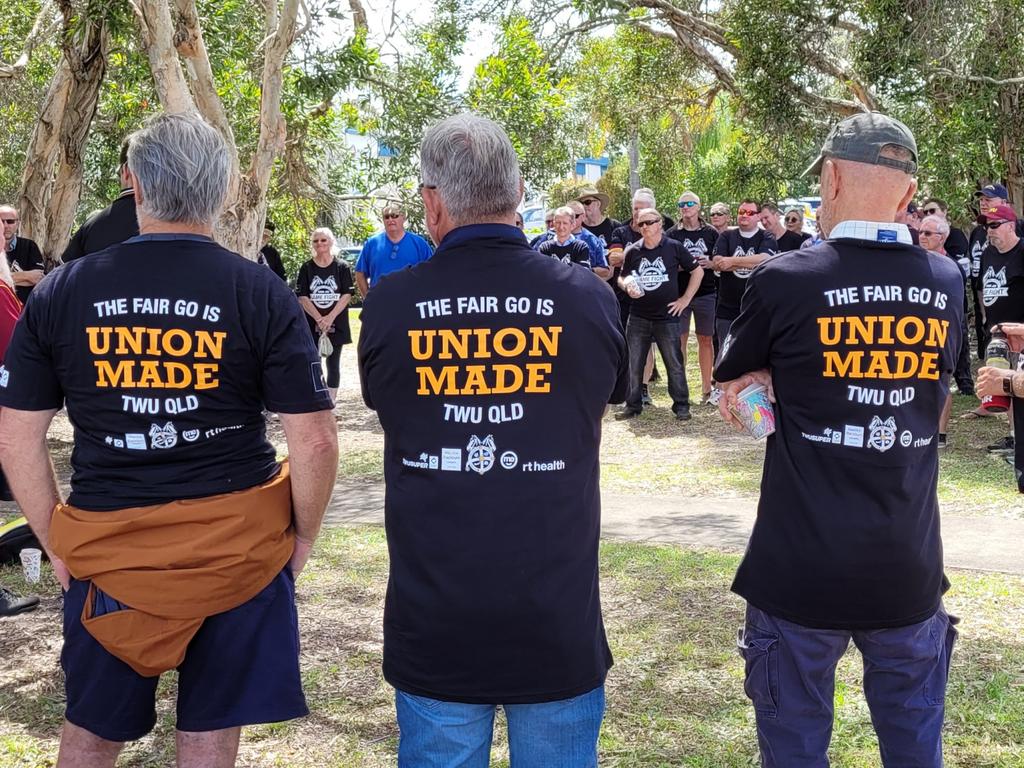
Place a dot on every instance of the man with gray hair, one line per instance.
(490, 368)
(390, 250)
(182, 537)
(854, 340)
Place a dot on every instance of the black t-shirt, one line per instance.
(603, 231)
(25, 257)
(658, 271)
(324, 286)
(978, 242)
(165, 350)
(1002, 284)
(112, 225)
(699, 243)
(272, 258)
(791, 241)
(732, 284)
(489, 367)
(574, 251)
(860, 337)
(956, 244)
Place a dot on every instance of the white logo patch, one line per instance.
(509, 460)
(190, 435)
(451, 459)
(882, 434)
(324, 292)
(993, 286)
(135, 441)
(163, 437)
(853, 436)
(480, 454)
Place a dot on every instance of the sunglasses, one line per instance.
(687, 203)
(321, 240)
(926, 233)
(580, 215)
(995, 224)
(9, 221)
(719, 213)
(929, 211)
(648, 223)
(747, 212)
(392, 216)
(792, 220)
(421, 186)
(589, 201)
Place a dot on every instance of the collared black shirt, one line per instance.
(114, 224)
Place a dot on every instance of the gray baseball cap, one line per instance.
(862, 137)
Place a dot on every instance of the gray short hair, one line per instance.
(181, 163)
(644, 193)
(470, 161)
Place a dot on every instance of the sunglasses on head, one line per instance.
(392, 216)
(648, 223)
(687, 203)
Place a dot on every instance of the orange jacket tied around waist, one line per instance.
(173, 565)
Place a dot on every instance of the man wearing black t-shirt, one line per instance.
(699, 240)
(594, 219)
(651, 275)
(23, 255)
(854, 339)
(269, 255)
(490, 368)
(786, 238)
(737, 252)
(182, 532)
(564, 246)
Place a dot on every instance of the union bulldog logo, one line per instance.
(163, 437)
(480, 454)
(882, 434)
(993, 286)
(651, 274)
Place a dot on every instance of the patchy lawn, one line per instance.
(675, 694)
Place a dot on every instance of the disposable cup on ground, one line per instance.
(754, 410)
(31, 560)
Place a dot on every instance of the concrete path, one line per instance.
(975, 543)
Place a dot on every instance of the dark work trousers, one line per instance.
(638, 342)
(962, 374)
(790, 678)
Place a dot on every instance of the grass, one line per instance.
(675, 694)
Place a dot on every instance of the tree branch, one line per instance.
(948, 73)
(45, 24)
(156, 31)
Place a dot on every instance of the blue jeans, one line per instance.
(446, 734)
(638, 344)
(791, 674)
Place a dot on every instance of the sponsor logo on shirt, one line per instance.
(135, 441)
(993, 286)
(882, 434)
(451, 459)
(651, 274)
(509, 460)
(163, 437)
(5, 375)
(190, 435)
(480, 454)
(743, 272)
(828, 435)
(323, 292)
(425, 461)
(853, 436)
(556, 465)
(906, 438)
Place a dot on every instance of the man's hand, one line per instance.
(722, 263)
(1014, 334)
(615, 257)
(677, 307)
(60, 571)
(990, 380)
(300, 555)
(731, 390)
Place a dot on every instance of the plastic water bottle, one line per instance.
(997, 355)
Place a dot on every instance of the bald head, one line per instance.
(861, 191)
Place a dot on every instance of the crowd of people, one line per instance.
(490, 364)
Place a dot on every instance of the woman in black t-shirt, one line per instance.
(324, 287)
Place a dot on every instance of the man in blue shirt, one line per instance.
(390, 250)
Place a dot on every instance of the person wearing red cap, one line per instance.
(1002, 298)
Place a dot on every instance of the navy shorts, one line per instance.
(241, 668)
(702, 309)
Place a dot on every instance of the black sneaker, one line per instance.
(683, 414)
(11, 604)
(646, 398)
(1003, 446)
(942, 439)
(627, 413)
